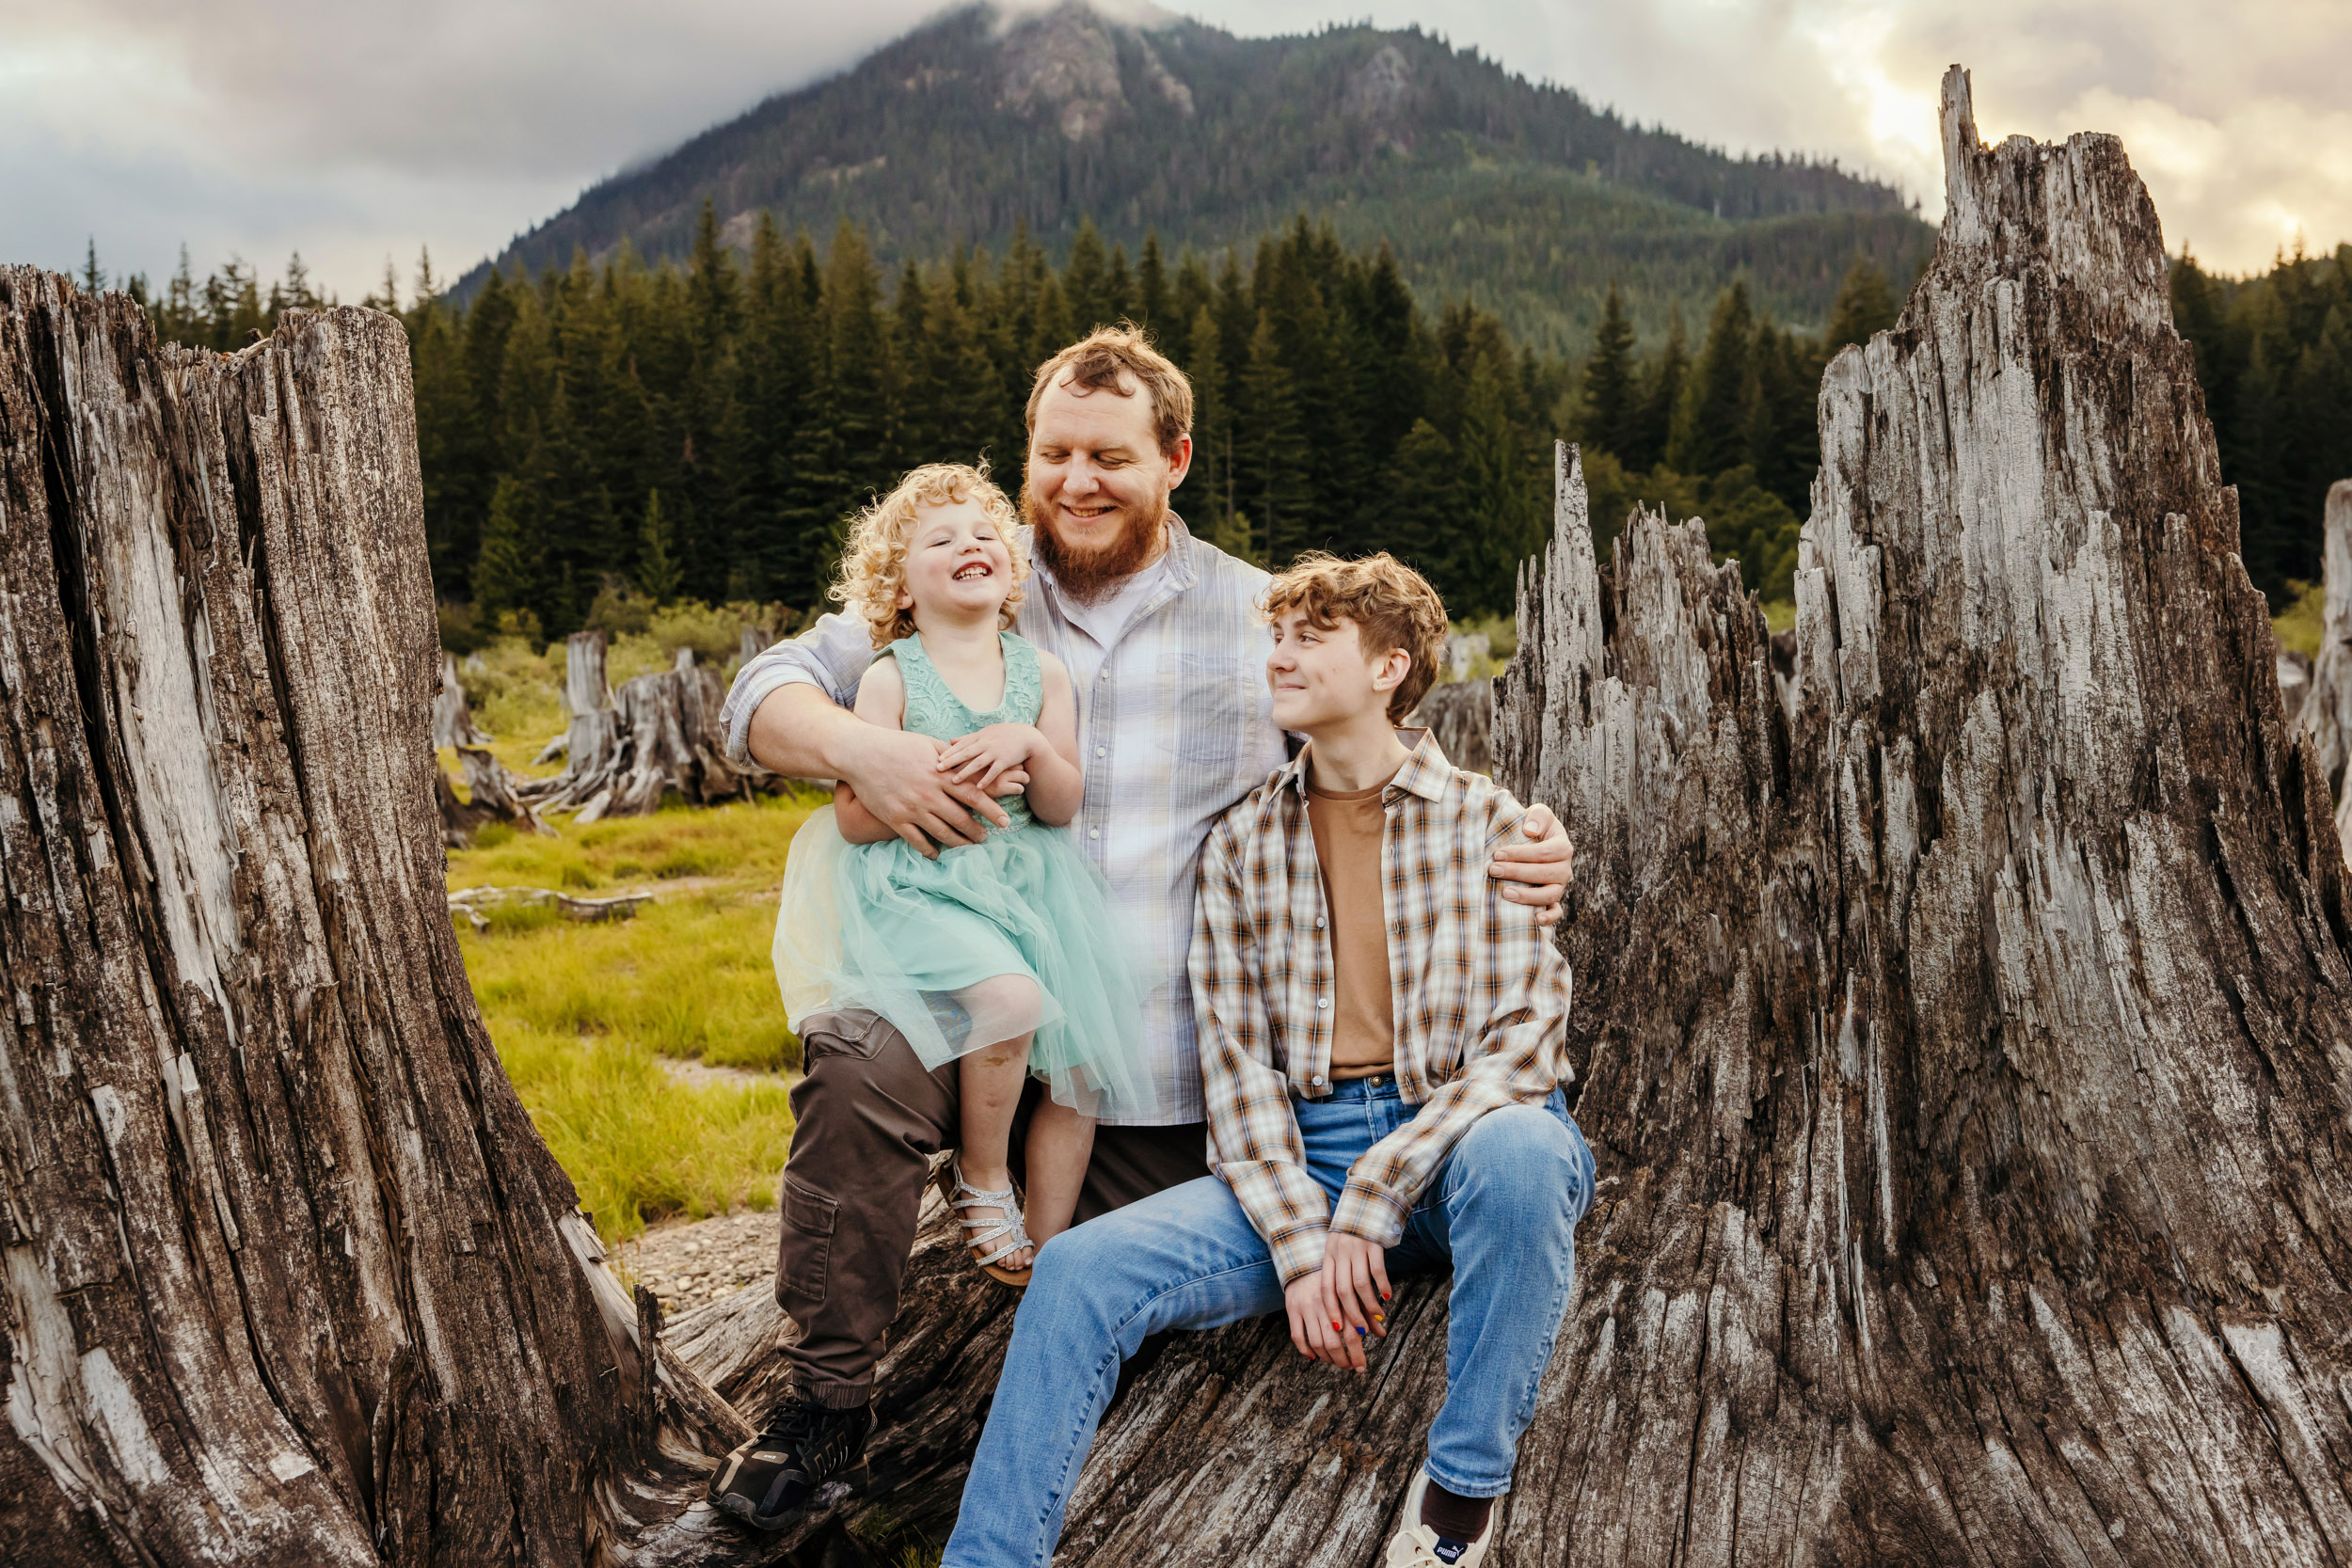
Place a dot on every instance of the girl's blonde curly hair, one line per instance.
(874, 562)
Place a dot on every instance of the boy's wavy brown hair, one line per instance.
(874, 562)
(1390, 605)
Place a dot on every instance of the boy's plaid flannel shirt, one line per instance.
(1481, 997)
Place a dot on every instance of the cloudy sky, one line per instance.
(358, 134)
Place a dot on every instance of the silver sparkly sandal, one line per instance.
(1008, 1224)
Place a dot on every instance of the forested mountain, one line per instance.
(1519, 197)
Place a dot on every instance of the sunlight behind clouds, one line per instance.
(257, 126)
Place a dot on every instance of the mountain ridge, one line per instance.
(1518, 195)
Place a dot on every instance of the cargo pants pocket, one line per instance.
(804, 1247)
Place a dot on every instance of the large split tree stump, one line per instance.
(1971, 1050)
(290, 1279)
(1965, 1038)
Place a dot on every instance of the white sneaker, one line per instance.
(1415, 1545)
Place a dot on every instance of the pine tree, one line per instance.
(1864, 307)
(1661, 395)
(1783, 434)
(1210, 485)
(1612, 411)
(1085, 282)
(1503, 516)
(657, 574)
(1420, 503)
(1709, 431)
(506, 575)
(93, 275)
(1153, 303)
(1273, 453)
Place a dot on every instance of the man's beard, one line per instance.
(1086, 574)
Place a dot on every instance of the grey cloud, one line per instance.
(354, 132)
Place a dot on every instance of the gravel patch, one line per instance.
(687, 1263)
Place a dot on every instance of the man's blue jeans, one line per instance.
(1502, 1209)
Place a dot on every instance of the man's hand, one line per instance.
(897, 777)
(986, 756)
(1538, 869)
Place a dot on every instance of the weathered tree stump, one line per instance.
(629, 750)
(1460, 714)
(290, 1279)
(1966, 1038)
(1972, 1051)
(2326, 711)
(452, 716)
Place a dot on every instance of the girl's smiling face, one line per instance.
(958, 565)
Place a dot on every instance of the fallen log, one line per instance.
(290, 1280)
(476, 902)
(1964, 1037)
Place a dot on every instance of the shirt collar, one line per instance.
(1425, 773)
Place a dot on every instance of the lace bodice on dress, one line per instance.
(935, 709)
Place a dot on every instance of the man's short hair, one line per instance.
(1106, 355)
(1390, 605)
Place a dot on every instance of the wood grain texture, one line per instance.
(289, 1277)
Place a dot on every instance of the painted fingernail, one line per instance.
(1363, 1331)
(1335, 1324)
(1384, 1296)
(1380, 1317)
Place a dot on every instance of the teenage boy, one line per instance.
(1383, 1039)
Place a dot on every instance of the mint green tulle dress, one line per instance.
(989, 941)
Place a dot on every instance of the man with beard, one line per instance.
(1164, 642)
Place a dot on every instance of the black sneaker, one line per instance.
(807, 1450)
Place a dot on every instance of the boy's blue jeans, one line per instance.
(1502, 1209)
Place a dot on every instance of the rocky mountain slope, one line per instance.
(1519, 195)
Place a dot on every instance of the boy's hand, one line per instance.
(986, 755)
(1536, 870)
(1334, 1309)
(1355, 1276)
(1315, 1330)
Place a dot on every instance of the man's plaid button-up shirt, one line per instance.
(1481, 996)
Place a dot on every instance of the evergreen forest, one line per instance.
(601, 434)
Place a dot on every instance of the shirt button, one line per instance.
(1318, 1079)
(1323, 1001)
(1318, 923)
(1094, 832)
(1104, 676)
(1102, 751)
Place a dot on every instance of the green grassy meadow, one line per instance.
(584, 1016)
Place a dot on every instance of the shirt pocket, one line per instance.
(1209, 704)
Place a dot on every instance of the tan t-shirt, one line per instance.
(1347, 829)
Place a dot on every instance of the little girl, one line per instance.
(1004, 955)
